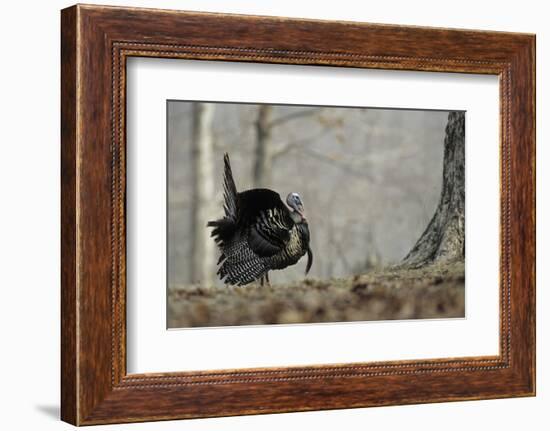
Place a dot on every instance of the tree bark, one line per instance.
(444, 237)
(202, 248)
(263, 157)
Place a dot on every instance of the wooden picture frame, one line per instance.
(95, 43)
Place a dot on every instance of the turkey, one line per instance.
(258, 233)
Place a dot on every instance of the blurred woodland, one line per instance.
(370, 179)
(372, 182)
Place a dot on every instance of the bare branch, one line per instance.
(339, 163)
(289, 146)
(293, 116)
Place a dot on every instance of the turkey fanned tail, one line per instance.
(224, 228)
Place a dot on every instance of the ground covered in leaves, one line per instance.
(435, 291)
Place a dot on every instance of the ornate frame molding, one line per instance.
(96, 41)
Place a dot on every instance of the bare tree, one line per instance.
(444, 240)
(263, 159)
(202, 249)
(378, 172)
(266, 152)
(373, 258)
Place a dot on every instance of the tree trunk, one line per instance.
(263, 157)
(202, 248)
(444, 238)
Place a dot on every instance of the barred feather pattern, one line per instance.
(294, 249)
(256, 234)
(240, 265)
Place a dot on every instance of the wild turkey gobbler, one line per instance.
(258, 233)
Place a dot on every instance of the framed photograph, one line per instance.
(264, 214)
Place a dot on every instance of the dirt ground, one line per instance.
(435, 291)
